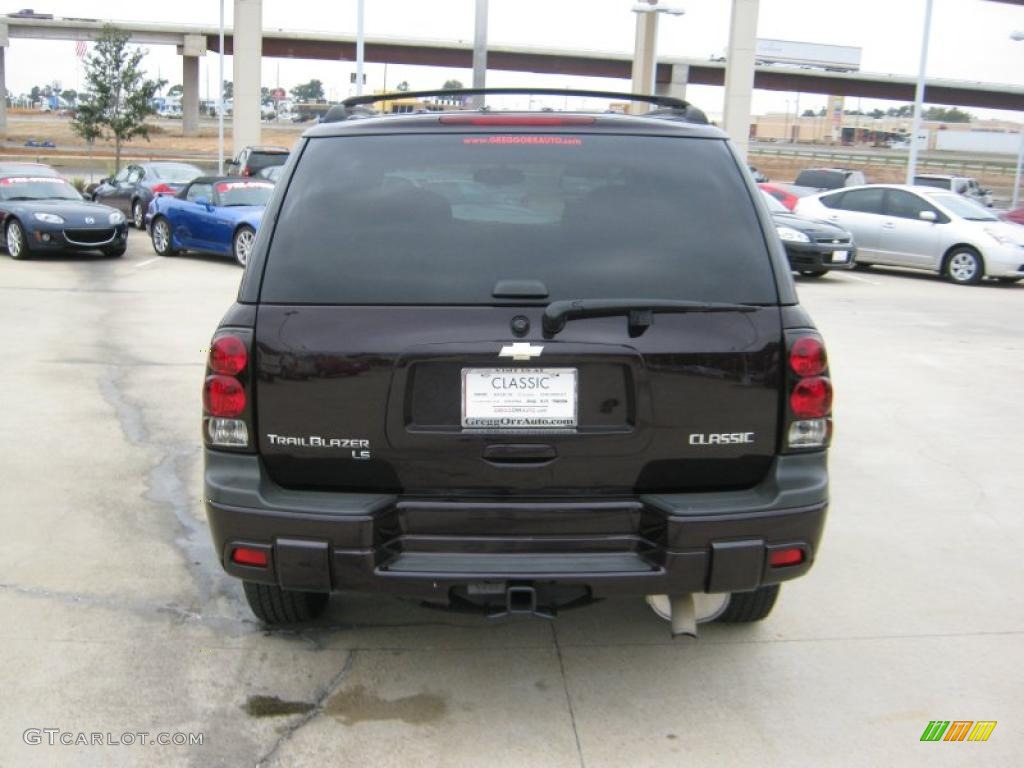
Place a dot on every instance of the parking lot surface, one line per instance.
(117, 618)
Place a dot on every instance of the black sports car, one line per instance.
(45, 213)
(131, 190)
(813, 247)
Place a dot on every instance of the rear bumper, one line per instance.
(651, 544)
(819, 256)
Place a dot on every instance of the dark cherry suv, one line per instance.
(518, 360)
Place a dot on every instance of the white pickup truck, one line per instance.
(962, 185)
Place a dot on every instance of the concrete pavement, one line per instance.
(118, 619)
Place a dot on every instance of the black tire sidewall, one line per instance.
(979, 273)
(169, 251)
(25, 252)
(139, 223)
(234, 243)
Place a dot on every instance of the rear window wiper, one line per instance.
(640, 311)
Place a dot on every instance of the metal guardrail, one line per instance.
(954, 165)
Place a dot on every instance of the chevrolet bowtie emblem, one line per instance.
(521, 350)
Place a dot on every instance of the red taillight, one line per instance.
(164, 189)
(223, 396)
(807, 357)
(249, 556)
(228, 355)
(811, 398)
(780, 557)
(525, 120)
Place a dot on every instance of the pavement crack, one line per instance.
(166, 484)
(315, 712)
(568, 696)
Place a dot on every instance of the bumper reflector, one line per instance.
(808, 433)
(249, 556)
(781, 557)
(228, 432)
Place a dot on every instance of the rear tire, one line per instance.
(964, 267)
(273, 605)
(16, 241)
(161, 237)
(745, 607)
(241, 244)
(138, 215)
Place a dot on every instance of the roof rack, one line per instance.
(667, 106)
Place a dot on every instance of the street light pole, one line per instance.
(1018, 36)
(220, 96)
(915, 125)
(480, 52)
(360, 46)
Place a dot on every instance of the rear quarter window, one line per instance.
(440, 218)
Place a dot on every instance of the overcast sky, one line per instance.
(970, 39)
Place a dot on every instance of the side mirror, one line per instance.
(928, 216)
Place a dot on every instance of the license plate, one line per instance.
(519, 398)
(840, 256)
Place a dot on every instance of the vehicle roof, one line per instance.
(915, 188)
(216, 179)
(831, 170)
(937, 176)
(6, 166)
(429, 122)
(267, 148)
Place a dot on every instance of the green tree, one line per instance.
(808, 113)
(311, 91)
(35, 94)
(402, 86)
(229, 89)
(70, 95)
(176, 90)
(118, 97)
(452, 85)
(950, 115)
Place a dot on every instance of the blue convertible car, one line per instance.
(213, 214)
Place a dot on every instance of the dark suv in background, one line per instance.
(518, 360)
(251, 160)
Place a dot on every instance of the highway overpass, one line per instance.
(672, 73)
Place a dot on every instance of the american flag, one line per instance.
(80, 49)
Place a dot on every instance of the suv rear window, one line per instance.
(259, 160)
(821, 179)
(440, 218)
(925, 181)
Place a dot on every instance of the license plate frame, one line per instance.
(839, 257)
(518, 409)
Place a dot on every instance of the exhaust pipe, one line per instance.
(686, 611)
(684, 615)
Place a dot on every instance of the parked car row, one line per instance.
(40, 211)
(940, 224)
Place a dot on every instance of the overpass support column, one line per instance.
(193, 48)
(247, 59)
(3, 81)
(739, 72)
(677, 85)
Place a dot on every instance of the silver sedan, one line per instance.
(923, 228)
